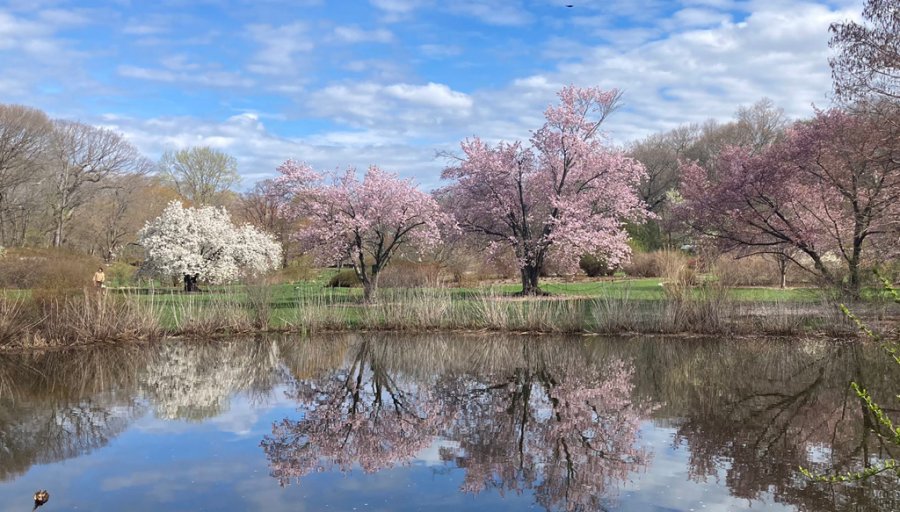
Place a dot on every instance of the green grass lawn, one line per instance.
(636, 289)
(291, 294)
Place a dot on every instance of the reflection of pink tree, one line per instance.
(568, 436)
(360, 415)
(563, 428)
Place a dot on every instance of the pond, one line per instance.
(443, 422)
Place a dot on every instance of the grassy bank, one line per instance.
(634, 306)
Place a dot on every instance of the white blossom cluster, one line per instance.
(204, 241)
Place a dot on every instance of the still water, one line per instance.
(443, 422)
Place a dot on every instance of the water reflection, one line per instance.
(567, 422)
(55, 406)
(560, 419)
(536, 418)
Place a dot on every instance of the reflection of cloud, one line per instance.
(431, 455)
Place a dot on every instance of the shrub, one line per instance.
(259, 303)
(756, 270)
(656, 263)
(17, 318)
(98, 318)
(595, 266)
(50, 269)
(200, 317)
(120, 274)
(410, 274)
(346, 278)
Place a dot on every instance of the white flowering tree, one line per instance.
(203, 244)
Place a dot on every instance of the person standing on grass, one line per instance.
(99, 278)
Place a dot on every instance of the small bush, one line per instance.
(98, 318)
(298, 269)
(410, 274)
(656, 263)
(346, 278)
(120, 274)
(754, 270)
(17, 318)
(49, 269)
(198, 317)
(259, 303)
(595, 266)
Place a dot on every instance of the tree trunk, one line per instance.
(853, 264)
(782, 269)
(370, 288)
(57, 234)
(854, 282)
(530, 275)
(190, 283)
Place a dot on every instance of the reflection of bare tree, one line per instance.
(524, 415)
(59, 405)
(760, 413)
(361, 414)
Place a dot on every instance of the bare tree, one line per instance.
(262, 208)
(867, 65)
(108, 223)
(24, 133)
(200, 174)
(83, 158)
(660, 153)
(760, 124)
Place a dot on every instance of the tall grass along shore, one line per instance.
(90, 317)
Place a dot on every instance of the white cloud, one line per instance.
(510, 13)
(36, 58)
(697, 17)
(401, 108)
(779, 52)
(186, 73)
(259, 151)
(505, 12)
(440, 51)
(281, 47)
(397, 6)
(350, 34)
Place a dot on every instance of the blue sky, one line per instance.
(392, 82)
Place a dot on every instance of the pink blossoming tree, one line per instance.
(567, 194)
(363, 222)
(831, 189)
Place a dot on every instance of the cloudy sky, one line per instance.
(392, 82)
